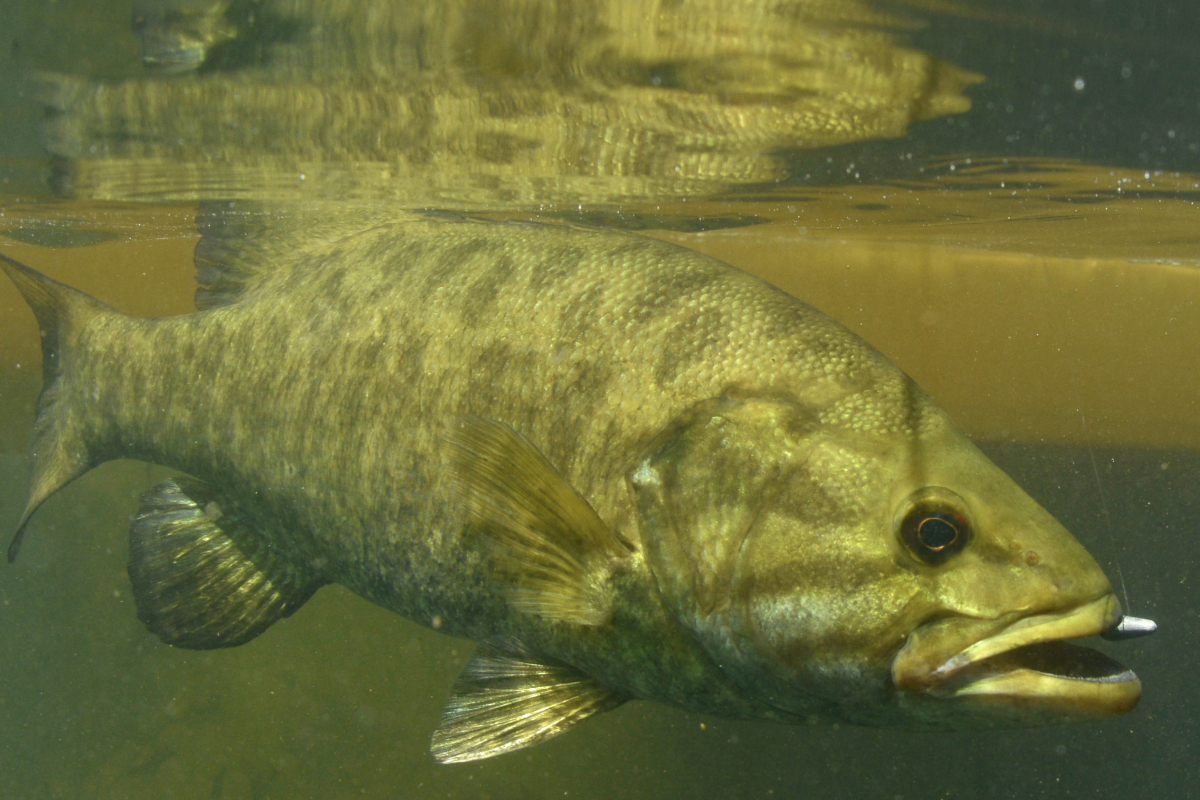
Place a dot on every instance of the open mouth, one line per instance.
(1030, 665)
(1029, 662)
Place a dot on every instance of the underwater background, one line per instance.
(1000, 196)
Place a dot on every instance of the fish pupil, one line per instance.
(934, 525)
(937, 533)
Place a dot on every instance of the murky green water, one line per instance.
(1078, 156)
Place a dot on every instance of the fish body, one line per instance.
(628, 470)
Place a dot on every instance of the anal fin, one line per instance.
(507, 699)
(202, 577)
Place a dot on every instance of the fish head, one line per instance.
(888, 575)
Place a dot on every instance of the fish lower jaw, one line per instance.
(1071, 696)
(1060, 677)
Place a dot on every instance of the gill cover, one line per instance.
(764, 530)
(699, 489)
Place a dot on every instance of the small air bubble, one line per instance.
(1079, 84)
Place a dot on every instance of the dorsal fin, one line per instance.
(242, 243)
(237, 242)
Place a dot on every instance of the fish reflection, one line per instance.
(502, 102)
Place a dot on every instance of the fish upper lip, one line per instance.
(1089, 619)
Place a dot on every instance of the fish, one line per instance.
(623, 468)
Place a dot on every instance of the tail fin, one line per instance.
(58, 451)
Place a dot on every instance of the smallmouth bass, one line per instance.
(625, 469)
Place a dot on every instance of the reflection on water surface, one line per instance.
(509, 103)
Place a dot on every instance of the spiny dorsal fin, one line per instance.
(506, 699)
(58, 450)
(202, 577)
(551, 544)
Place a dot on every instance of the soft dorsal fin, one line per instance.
(551, 544)
(243, 243)
(202, 577)
(237, 243)
(506, 699)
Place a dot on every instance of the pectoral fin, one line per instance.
(202, 576)
(551, 544)
(507, 699)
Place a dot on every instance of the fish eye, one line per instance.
(934, 525)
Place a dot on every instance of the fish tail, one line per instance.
(58, 450)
